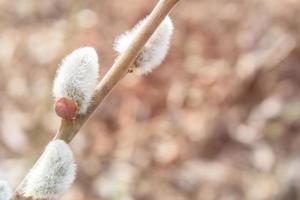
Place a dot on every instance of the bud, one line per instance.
(66, 108)
(154, 51)
(53, 173)
(5, 191)
(75, 82)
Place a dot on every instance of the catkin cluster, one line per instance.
(77, 76)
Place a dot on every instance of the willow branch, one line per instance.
(68, 129)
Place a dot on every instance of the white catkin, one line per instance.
(53, 174)
(155, 50)
(5, 191)
(77, 77)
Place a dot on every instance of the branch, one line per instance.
(68, 129)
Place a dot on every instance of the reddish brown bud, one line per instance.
(66, 108)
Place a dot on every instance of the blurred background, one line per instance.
(218, 120)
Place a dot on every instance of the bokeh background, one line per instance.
(218, 120)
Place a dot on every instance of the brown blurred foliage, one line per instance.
(218, 120)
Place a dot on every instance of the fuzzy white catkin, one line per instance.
(5, 191)
(53, 174)
(154, 51)
(77, 77)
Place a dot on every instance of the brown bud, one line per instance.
(66, 108)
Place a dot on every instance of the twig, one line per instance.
(68, 129)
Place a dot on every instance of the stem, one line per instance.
(68, 129)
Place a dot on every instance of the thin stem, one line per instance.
(68, 129)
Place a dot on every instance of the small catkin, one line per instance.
(77, 78)
(5, 191)
(53, 174)
(155, 50)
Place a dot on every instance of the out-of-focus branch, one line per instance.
(68, 129)
(267, 61)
